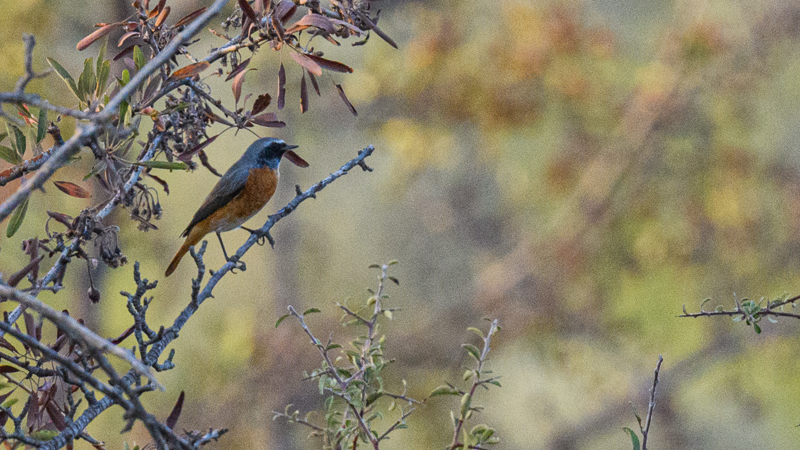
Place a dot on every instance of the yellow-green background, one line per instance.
(577, 169)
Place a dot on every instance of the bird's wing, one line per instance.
(228, 187)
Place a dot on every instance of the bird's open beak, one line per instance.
(294, 157)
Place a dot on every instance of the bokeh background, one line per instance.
(577, 169)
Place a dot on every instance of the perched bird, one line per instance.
(241, 192)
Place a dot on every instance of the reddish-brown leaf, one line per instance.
(162, 16)
(312, 20)
(8, 369)
(268, 120)
(176, 412)
(347, 25)
(305, 61)
(15, 278)
(346, 101)
(124, 52)
(261, 103)
(303, 94)
(284, 10)
(187, 155)
(61, 218)
(375, 28)
(276, 24)
(190, 17)
(236, 70)
(281, 86)
(238, 80)
(126, 36)
(248, 11)
(314, 82)
(125, 334)
(55, 415)
(295, 159)
(190, 70)
(330, 64)
(7, 345)
(160, 181)
(97, 34)
(72, 189)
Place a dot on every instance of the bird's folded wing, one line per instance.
(228, 187)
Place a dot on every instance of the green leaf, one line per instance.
(126, 78)
(41, 129)
(278, 322)
(311, 310)
(9, 155)
(62, 72)
(163, 165)
(332, 346)
(138, 57)
(443, 390)
(11, 402)
(476, 331)
(101, 56)
(103, 72)
(466, 403)
(87, 82)
(44, 435)
(472, 350)
(123, 110)
(757, 328)
(19, 142)
(3, 136)
(634, 438)
(17, 217)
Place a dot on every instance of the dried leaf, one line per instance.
(190, 17)
(305, 61)
(61, 218)
(357, 31)
(330, 65)
(236, 70)
(303, 94)
(346, 101)
(8, 369)
(176, 412)
(248, 11)
(295, 159)
(15, 278)
(187, 155)
(126, 36)
(314, 82)
(56, 415)
(261, 103)
(238, 80)
(281, 86)
(190, 70)
(7, 345)
(72, 189)
(284, 10)
(97, 34)
(268, 120)
(162, 16)
(17, 217)
(312, 20)
(124, 52)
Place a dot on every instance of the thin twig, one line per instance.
(652, 406)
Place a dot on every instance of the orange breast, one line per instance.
(260, 186)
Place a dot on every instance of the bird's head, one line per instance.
(269, 152)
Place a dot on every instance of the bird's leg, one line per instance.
(237, 264)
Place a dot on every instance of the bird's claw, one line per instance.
(237, 265)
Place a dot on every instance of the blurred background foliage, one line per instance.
(577, 169)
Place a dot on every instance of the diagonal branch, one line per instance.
(171, 333)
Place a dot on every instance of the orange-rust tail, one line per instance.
(194, 237)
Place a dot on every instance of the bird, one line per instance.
(241, 192)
